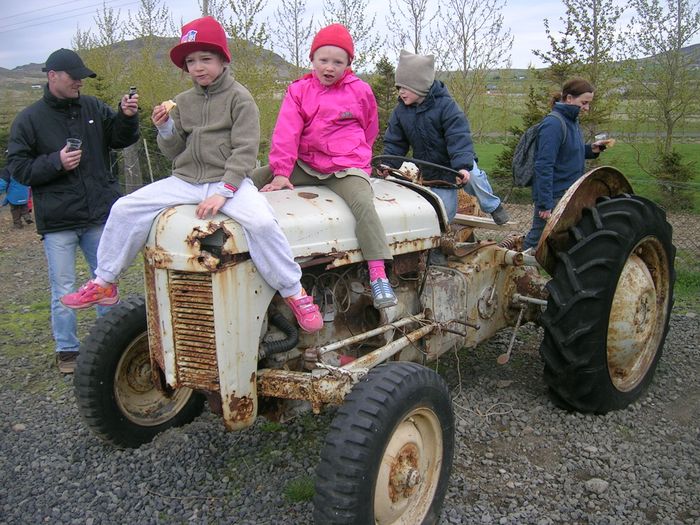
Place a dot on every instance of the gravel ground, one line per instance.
(518, 458)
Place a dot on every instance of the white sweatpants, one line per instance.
(131, 218)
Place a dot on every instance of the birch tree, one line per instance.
(353, 15)
(293, 32)
(410, 23)
(471, 42)
(663, 77)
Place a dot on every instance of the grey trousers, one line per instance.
(357, 192)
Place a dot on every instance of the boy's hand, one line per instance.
(278, 183)
(382, 171)
(210, 206)
(159, 116)
(465, 177)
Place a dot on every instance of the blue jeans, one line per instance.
(60, 248)
(533, 236)
(478, 187)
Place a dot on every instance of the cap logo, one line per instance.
(190, 36)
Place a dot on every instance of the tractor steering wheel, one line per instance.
(378, 160)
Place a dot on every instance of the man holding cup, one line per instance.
(60, 147)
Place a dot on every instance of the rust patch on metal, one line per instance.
(319, 390)
(403, 476)
(241, 408)
(162, 221)
(157, 257)
(409, 263)
(532, 284)
(307, 195)
(191, 300)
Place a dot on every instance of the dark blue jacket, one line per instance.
(65, 200)
(558, 164)
(437, 130)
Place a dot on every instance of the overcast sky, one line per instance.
(31, 29)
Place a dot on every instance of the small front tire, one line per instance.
(388, 456)
(114, 387)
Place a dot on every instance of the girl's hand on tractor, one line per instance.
(278, 183)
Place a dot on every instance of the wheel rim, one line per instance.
(136, 395)
(410, 470)
(638, 314)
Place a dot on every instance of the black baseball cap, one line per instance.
(68, 61)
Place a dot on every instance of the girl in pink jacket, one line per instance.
(324, 135)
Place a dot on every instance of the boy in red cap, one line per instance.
(193, 135)
(324, 135)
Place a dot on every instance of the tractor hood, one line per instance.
(318, 224)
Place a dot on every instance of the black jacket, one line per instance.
(437, 130)
(65, 200)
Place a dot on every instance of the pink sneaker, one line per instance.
(306, 312)
(91, 294)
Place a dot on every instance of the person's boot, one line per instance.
(27, 215)
(16, 216)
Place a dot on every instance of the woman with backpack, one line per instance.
(561, 153)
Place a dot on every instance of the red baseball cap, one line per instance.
(202, 34)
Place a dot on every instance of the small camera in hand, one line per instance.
(132, 91)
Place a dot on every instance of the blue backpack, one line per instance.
(523, 165)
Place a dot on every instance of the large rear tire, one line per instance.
(388, 456)
(113, 385)
(609, 306)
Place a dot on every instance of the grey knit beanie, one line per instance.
(415, 72)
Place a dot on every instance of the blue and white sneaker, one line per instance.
(382, 293)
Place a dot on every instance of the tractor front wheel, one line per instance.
(388, 456)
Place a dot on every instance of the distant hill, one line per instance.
(29, 73)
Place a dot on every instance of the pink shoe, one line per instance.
(91, 294)
(306, 312)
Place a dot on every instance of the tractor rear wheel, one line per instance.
(609, 306)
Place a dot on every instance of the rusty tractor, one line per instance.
(600, 284)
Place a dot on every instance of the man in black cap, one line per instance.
(72, 185)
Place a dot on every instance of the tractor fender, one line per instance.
(604, 181)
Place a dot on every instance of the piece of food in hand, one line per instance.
(609, 142)
(169, 105)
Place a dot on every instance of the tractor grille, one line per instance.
(193, 326)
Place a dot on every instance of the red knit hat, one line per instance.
(334, 35)
(203, 34)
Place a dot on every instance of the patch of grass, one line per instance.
(687, 288)
(299, 490)
(271, 426)
(18, 320)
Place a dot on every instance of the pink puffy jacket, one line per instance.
(330, 128)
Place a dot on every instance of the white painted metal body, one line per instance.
(230, 307)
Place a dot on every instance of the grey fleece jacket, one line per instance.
(216, 135)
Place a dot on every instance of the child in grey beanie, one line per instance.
(428, 121)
